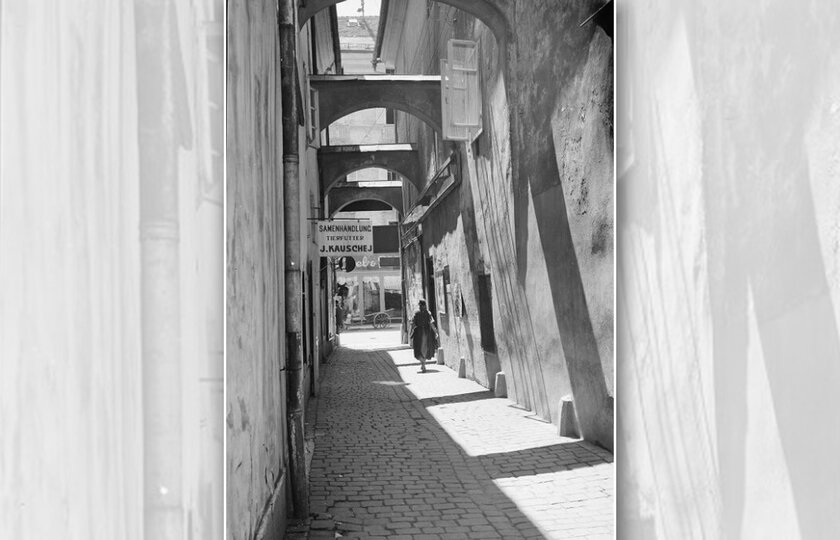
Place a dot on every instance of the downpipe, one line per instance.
(292, 250)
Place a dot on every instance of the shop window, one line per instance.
(347, 296)
(372, 302)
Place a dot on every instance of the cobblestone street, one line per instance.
(402, 454)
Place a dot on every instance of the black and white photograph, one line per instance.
(419, 269)
(420, 316)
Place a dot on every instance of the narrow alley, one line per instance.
(391, 154)
(403, 454)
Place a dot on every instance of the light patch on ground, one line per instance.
(480, 423)
(558, 502)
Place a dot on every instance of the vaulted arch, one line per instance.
(340, 197)
(336, 162)
(340, 95)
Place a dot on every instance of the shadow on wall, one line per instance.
(580, 346)
(739, 234)
(764, 244)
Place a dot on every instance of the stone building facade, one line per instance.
(258, 462)
(511, 238)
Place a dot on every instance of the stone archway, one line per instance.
(340, 95)
(336, 162)
(340, 197)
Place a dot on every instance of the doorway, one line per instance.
(430, 285)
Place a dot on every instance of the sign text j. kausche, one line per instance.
(345, 237)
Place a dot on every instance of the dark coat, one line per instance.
(423, 335)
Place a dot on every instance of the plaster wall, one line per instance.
(423, 43)
(728, 275)
(256, 380)
(562, 170)
(450, 239)
(538, 206)
(256, 385)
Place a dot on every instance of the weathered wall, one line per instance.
(542, 201)
(450, 239)
(728, 275)
(318, 340)
(255, 408)
(423, 43)
(449, 230)
(562, 170)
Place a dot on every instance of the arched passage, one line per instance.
(335, 162)
(490, 12)
(341, 197)
(340, 95)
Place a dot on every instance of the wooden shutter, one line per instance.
(461, 91)
(450, 131)
(314, 120)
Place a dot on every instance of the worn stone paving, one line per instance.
(408, 455)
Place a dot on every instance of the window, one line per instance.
(460, 91)
(371, 287)
(386, 239)
(443, 290)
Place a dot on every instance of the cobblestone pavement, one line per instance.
(402, 454)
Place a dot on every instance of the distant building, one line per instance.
(375, 284)
(357, 37)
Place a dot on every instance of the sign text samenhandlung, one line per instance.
(338, 238)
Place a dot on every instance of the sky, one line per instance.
(349, 8)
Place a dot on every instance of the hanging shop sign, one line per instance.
(345, 237)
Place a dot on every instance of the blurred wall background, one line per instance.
(111, 291)
(728, 255)
(728, 235)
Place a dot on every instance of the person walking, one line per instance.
(423, 335)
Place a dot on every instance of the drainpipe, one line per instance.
(291, 224)
(159, 275)
(404, 323)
